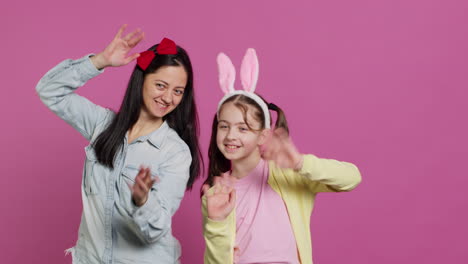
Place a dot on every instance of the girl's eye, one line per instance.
(243, 129)
(222, 126)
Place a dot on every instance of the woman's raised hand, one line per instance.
(117, 52)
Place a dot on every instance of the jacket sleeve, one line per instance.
(219, 238)
(328, 175)
(153, 220)
(56, 90)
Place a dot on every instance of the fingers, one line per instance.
(130, 35)
(270, 153)
(143, 184)
(135, 39)
(205, 189)
(281, 133)
(131, 58)
(143, 180)
(149, 179)
(156, 179)
(140, 186)
(232, 197)
(271, 146)
(217, 188)
(216, 180)
(224, 179)
(121, 30)
(220, 180)
(141, 173)
(131, 39)
(139, 192)
(221, 188)
(228, 179)
(266, 155)
(144, 176)
(226, 189)
(281, 149)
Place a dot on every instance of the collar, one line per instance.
(157, 137)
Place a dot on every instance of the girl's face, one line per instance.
(234, 138)
(163, 91)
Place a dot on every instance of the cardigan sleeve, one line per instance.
(219, 237)
(328, 175)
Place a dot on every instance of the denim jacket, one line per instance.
(112, 228)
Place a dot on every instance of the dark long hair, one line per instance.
(183, 119)
(218, 164)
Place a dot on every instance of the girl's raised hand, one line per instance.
(116, 53)
(142, 186)
(280, 148)
(220, 201)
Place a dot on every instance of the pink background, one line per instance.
(382, 84)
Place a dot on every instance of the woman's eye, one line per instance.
(160, 85)
(179, 92)
(243, 129)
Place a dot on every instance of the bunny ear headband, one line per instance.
(249, 77)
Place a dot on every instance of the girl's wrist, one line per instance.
(217, 219)
(299, 162)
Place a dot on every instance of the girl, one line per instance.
(258, 211)
(126, 213)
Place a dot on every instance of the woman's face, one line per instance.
(163, 91)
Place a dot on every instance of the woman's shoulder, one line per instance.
(107, 117)
(174, 141)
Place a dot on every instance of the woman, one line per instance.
(128, 207)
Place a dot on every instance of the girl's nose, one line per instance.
(230, 134)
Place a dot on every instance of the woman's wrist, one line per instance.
(140, 202)
(99, 62)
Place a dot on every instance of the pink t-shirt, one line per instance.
(263, 230)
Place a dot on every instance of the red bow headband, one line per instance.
(166, 46)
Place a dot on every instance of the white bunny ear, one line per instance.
(249, 71)
(227, 73)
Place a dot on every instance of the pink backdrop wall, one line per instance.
(382, 84)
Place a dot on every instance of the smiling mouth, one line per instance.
(231, 147)
(162, 105)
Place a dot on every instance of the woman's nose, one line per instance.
(167, 96)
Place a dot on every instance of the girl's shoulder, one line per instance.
(286, 175)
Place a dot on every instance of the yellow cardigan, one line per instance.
(298, 190)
